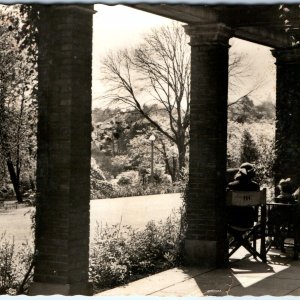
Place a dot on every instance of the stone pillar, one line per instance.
(63, 159)
(206, 242)
(287, 163)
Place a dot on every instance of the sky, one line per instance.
(119, 26)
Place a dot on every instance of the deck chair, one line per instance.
(247, 237)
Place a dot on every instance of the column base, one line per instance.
(203, 253)
(47, 289)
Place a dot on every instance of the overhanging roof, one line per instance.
(262, 24)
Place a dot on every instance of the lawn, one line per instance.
(16, 224)
(134, 211)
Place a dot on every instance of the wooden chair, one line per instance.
(247, 237)
(286, 229)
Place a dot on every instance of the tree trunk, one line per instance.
(14, 180)
(181, 157)
(174, 162)
(169, 170)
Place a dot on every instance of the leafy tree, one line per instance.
(18, 79)
(109, 136)
(265, 111)
(245, 111)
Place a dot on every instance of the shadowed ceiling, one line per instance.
(262, 24)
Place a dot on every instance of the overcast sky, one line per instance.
(119, 26)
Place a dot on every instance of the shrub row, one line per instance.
(120, 254)
(108, 190)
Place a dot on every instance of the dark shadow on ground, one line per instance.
(278, 277)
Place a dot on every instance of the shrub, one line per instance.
(96, 172)
(14, 264)
(120, 253)
(150, 189)
(101, 189)
(128, 178)
(119, 164)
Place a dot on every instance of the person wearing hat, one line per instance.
(238, 216)
(243, 180)
(280, 216)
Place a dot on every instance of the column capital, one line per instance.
(287, 55)
(208, 34)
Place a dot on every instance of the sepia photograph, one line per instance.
(149, 148)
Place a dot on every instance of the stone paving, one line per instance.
(280, 276)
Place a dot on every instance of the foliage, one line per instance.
(134, 145)
(128, 178)
(110, 135)
(262, 137)
(265, 162)
(245, 111)
(120, 253)
(96, 172)
(130, 183)
(106, 189)
(119, 164)
(18, 103)
(14, 264)
(234, 134)
(101, 189)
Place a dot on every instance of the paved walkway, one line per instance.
(246, 276)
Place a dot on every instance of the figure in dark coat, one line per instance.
(243, 217)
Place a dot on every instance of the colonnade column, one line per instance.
(206, 241)
(64, 151)
(287, 146)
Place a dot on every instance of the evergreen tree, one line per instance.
(249, 151)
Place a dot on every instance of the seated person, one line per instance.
(286, 195)
(243, 217)
(279, 216)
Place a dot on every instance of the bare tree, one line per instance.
(158, 71)
(242, 82)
